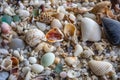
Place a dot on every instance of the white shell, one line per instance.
(78, 50)
(37, 68)
(56, 23)
(41, 26)
(87, 53)
(37, 3)
(28, 76)
(34, 36)
(23, 13)
(90, 15)
(60, 16)
(8, 10)
(90, 30)
(32, 60)
(73, 74)
(12, 77)
(70, 60)
(26, 69)
(4, 51)
(100, 68)
(72, 17)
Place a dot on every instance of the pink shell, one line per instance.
(5, 28)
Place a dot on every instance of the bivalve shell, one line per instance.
(47, 59)
(100, 68)
(78, 50)
(56, 23)
(37, 68)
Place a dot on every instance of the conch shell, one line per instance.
(100, 68)
(54, 35)
(90, 30)
(70, 31)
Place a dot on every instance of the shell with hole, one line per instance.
(56, 23)
(54, 35)
(34, 36)
(100, 68)
(78, 50)
(70, 32)
(90, 30)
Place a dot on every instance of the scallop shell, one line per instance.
(112, 29)
(6, 64)
(34, 36)
(47, 59)
(70, 31)
(37, 68)
(54, 35)
(56, 23)
(100, 68)
(15, 62)
(70, 60)
(78, 50)
(90, 30)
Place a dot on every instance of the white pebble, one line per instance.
(32, 60)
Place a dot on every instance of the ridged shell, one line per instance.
(100, 68)
(37, 68)
(47, 59)
(34, 36)
(112, 30)
(54, 35)
(90, 30)
(56, 23)
(78, 50)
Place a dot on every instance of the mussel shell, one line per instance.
(112, 30)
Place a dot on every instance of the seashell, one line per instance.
(14, 71)
(34, 36)
(73, 74)
(78, 50)
(41, 26)
(28, 76)
(70, 31)
(32, 60)
(63, 74)
(12, 77)
(15, 62)
(89, 15)
(8, 10)
(16, 43)
(54, 35)
(70, 60)
(100, 68)
(59, 16)
(5, 28)
(4, 51)
(18, 55)
(88, 28)
(23, 13)
(61, 9)
(4, 75)
(56, 23)
(57, 60)
(112, 29)
(72, 17)
(36, 3)
(49, 48)
(37, 68)
(6, 64)
(26, 69)
(47, 59)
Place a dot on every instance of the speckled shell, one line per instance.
(112, 30)
(37, 68)
(47, 59)
(90, 30)
(34, 36)
(100, 68)
(56, 23)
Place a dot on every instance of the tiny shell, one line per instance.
(4, 75)
(70, 60)
(23, 13)
(60, 16)
(15, 62)
(32, 60)
(34, 36)
(56, 23)
(73, 74)
(49, 48)
(8, 10)
(12, 77)
(78, 50)
(90, 15)
(37, 68)
(54, 35)
(57, 60)
(41, 26)
(26, 69)
(47, 59)
(72, 18)
(28, 76)
(63, 74)
(5, 28)
(100, 68)
(90, 30)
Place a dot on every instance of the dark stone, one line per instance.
(112, 30)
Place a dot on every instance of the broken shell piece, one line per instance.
(54, 35)
(15, 62)
(56, 23)
(100, 68)
(90, 30)
(6, 64)
(49, 48)
(14, 71)
(89, 15)
(72, 18)
(37, 68)
(70, 31)
(73, 74)
(34, 36)
(78, 50)
(70, 60)
(8, 10)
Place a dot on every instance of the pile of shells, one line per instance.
(59, 40)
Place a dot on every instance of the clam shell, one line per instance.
(100, 68)
(34, 36)
(71, 60)
(47, 59)
(112, 29)
(56, 23)
(90, 30)
(78, 50)
(37, 68)
(54, 35)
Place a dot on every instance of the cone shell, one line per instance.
(112, 30)
(54, 35)
(100, 68)
(90, 30)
